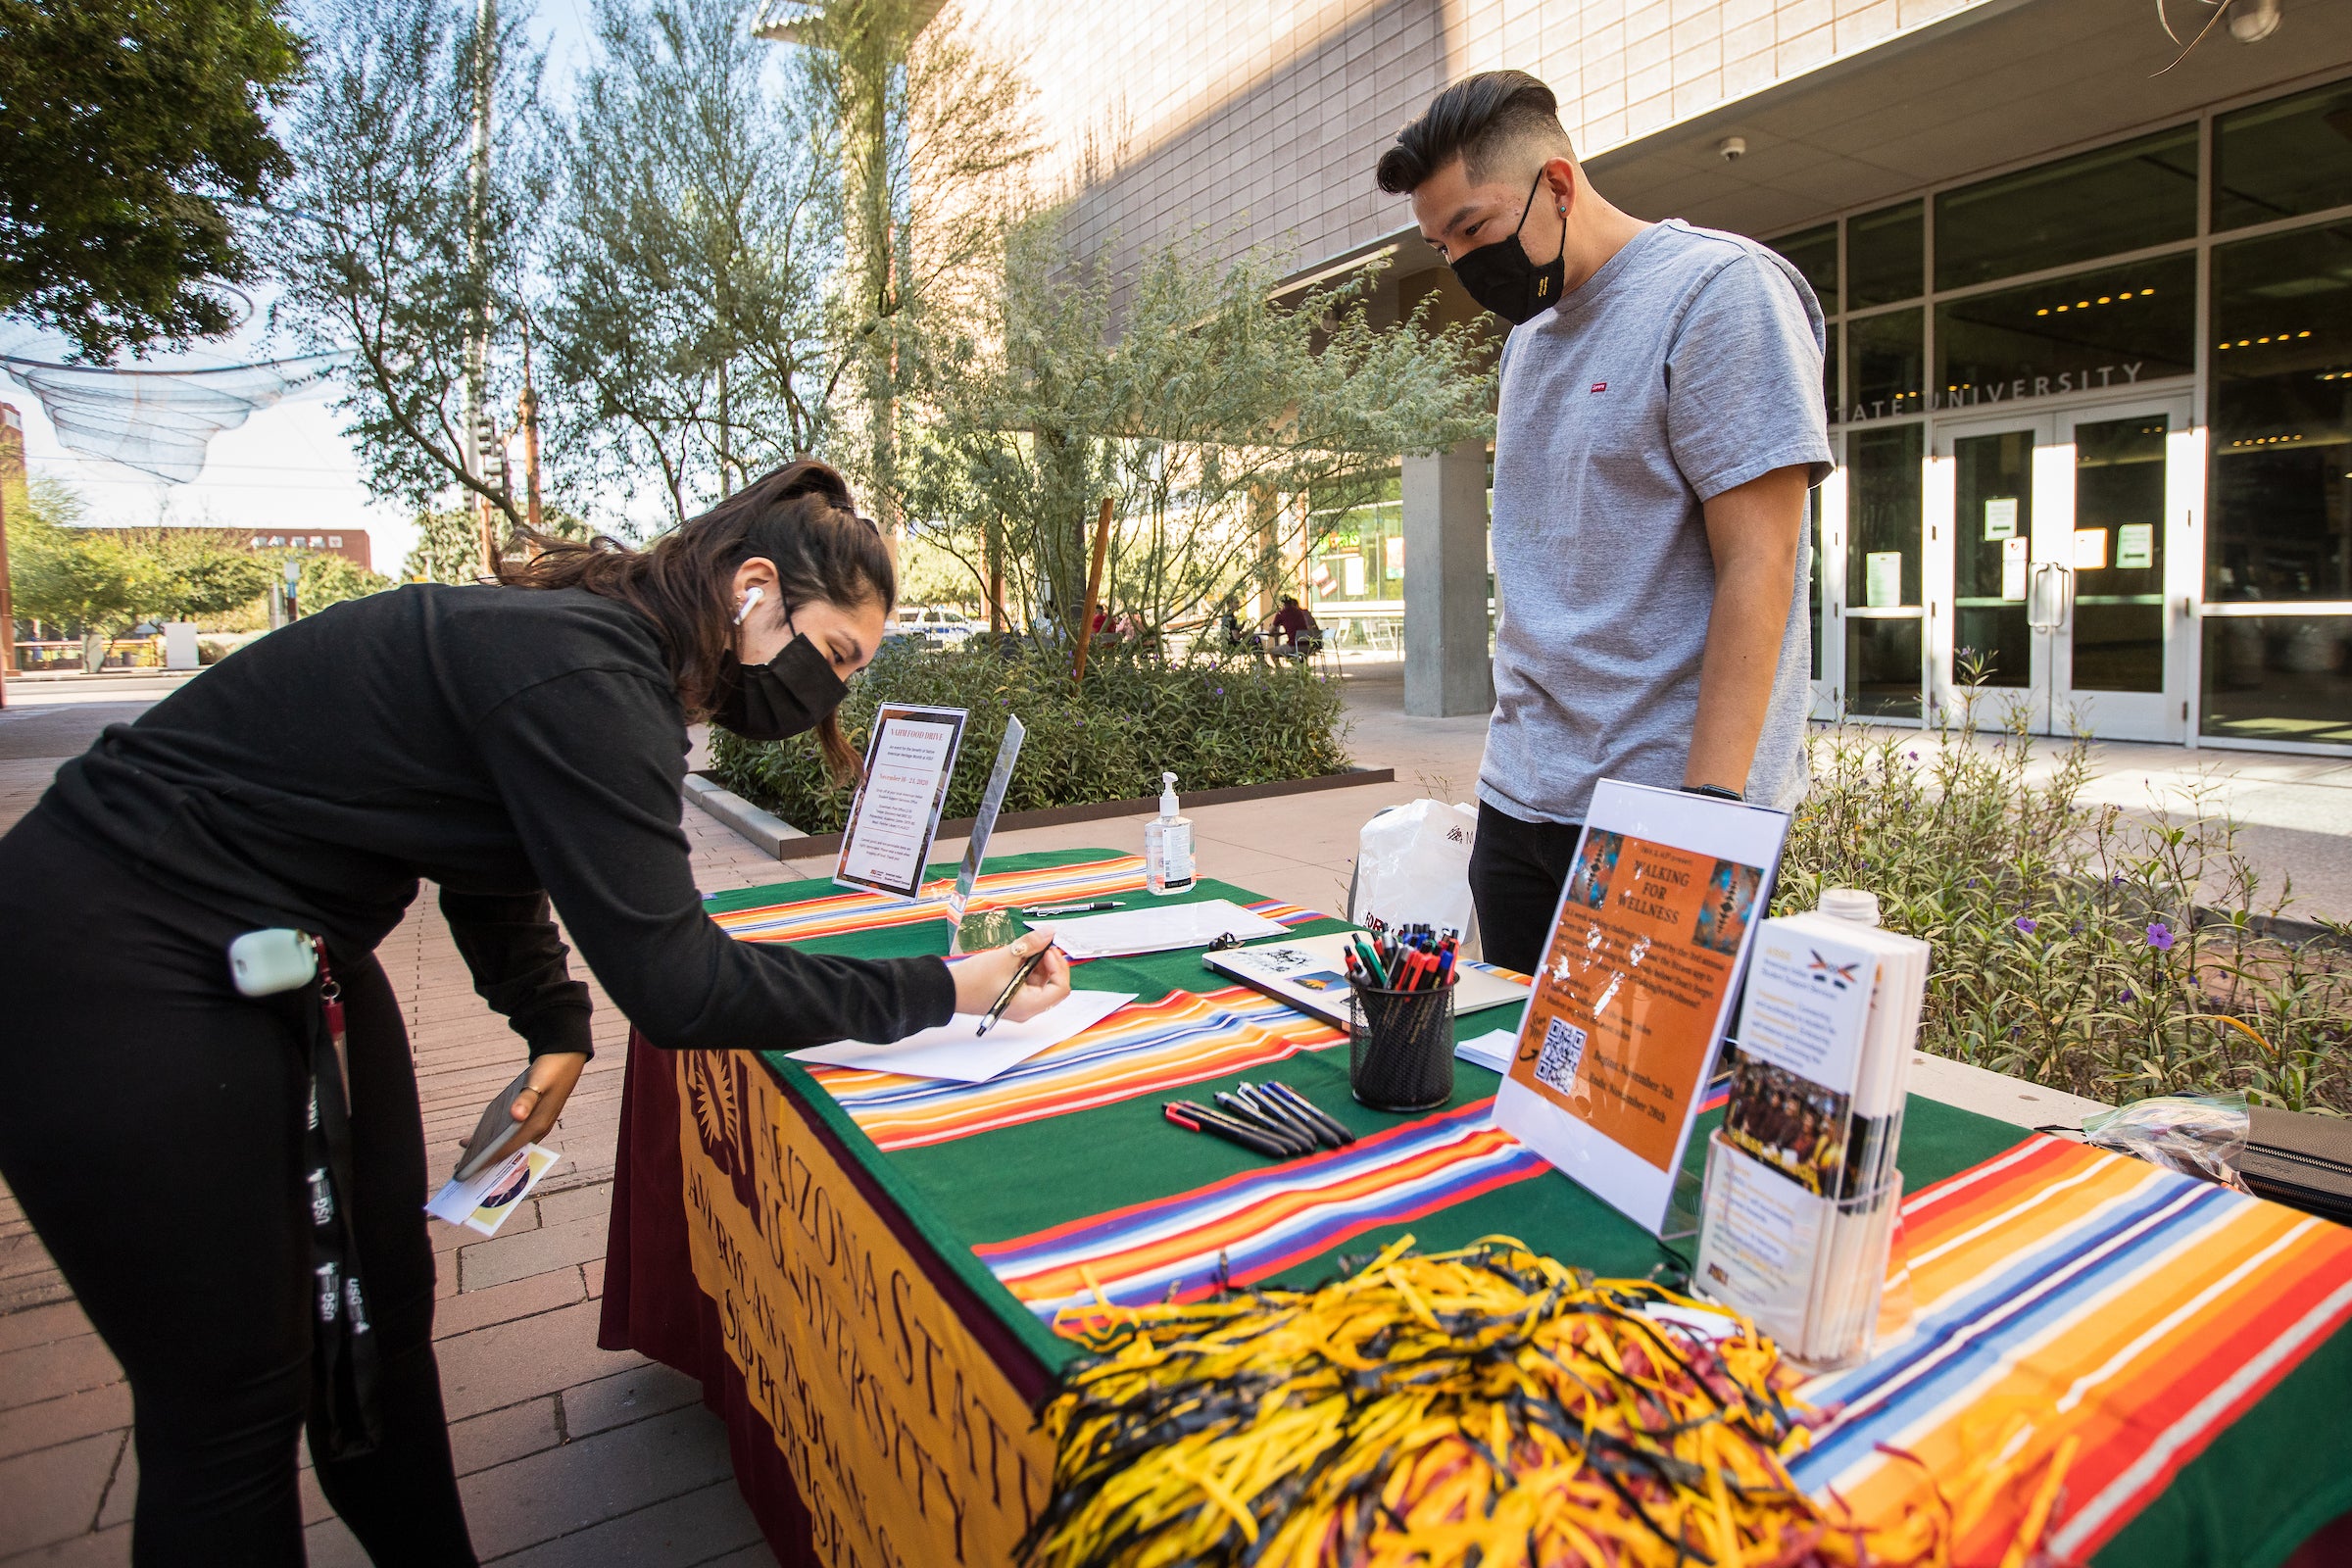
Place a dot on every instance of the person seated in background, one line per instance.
(1300, 633)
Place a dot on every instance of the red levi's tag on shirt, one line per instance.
(1600, 386)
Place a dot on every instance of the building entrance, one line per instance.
(2059, 568)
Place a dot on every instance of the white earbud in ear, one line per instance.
(743, 605)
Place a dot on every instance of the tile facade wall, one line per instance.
(1258, 121)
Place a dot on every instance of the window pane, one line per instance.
(2123, 198)
(1813, 570)
(2279, 677)
(1991, 546)
(2284, 157)
(2119, 608)
(1887, 518)
(1886, 255)
(1814, 253)
(1883, 571)
(1829, 374)
(1889, 369)
(2115, 328)
(2281, 511)
(1882, 667)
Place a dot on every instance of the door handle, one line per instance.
(2038, 614)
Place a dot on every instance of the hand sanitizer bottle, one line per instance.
(1168, 844)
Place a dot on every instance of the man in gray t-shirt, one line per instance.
(1661, 421)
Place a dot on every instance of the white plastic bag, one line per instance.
(1412, 867)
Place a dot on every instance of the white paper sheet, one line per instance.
(1161, 930)
(1492, 1050)
(955, 1053)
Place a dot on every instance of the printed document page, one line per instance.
(896, 813)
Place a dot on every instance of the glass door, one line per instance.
(2054, 541)
(1982, 541)
(2119, 640)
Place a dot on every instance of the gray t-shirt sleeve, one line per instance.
(1743, 380)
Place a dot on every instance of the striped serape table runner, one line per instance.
(2190, 1344)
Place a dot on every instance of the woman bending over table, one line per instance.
(255, 1258)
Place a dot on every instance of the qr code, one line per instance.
(1563, 1048)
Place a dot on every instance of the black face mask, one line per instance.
(788, 694)
(1501, 277)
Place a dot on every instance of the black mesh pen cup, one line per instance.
(1401, 1047)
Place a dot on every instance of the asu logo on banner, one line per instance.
(906, 1441)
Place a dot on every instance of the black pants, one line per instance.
(1517, 871)
(151, 1123)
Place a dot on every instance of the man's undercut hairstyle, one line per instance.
(1477, 120)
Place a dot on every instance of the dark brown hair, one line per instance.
(1473, 120)
(801, 516)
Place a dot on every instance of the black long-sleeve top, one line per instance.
(511, 745)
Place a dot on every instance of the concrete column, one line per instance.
(1447, 666)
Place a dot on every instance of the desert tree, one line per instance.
(1205, 410)
(684, 317)
(402, 248)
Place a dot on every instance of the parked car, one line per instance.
(936, 624)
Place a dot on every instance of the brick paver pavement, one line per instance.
(567, 1454)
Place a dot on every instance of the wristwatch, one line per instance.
(1713, 792)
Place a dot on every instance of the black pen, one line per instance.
(1034, 911)
(1285, 1116)
(1195, 1121)
(1238, 1130)
(1004, 1001)
(1310, 1108)
(1249, 1115)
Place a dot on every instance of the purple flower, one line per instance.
(1914, 755)
(2127, 999)
(2160, 936)
(1972, 881)
(2024, 925)
(1220, 691)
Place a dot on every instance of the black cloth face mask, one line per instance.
(1502, 278)
(789, 693)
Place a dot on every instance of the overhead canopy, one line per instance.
(157, 419)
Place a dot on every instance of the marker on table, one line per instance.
(1035, 910)
(1196, 1119)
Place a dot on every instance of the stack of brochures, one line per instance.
(1802, 1188)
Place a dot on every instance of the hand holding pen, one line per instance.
(1016, 981)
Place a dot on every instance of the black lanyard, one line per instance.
(343, 1358)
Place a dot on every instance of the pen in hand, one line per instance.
(1020, 978)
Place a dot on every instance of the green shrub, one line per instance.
(2112, 953)
(1215, 723)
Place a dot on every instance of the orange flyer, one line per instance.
(1627, 1008)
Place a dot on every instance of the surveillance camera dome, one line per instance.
(2253, 20)
(1732, 148)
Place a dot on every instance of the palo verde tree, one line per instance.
(1208, 419)
(389, 250)
(935, 146)
(130, 132)
(684, 323)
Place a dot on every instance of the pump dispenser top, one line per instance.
(1167, 796)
